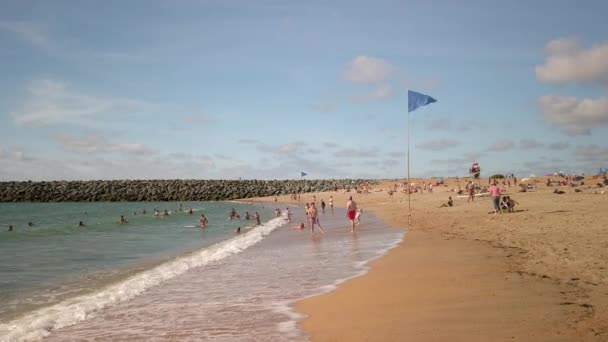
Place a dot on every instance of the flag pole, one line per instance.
(409, 203)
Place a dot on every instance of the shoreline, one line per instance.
(461, 274)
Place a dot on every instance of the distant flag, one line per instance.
(416, 100)
(302, 173)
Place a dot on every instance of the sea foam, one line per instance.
(40, 323)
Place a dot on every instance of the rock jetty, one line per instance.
(163, 190)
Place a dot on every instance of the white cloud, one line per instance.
(93, 143)
(529, 144)
(288, 148)
(381, 91)
(12, 154)
(558, 146)
(365, 69)
(49, 102)
(438, 145)
(29, 32)
(330, 145)
(573, 115)
(439, 124)
(568, 62)
(357, 153)
(501, 145)
(592, 154)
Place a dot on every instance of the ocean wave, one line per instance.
(40, 323)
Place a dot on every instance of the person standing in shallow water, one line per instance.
(351, 212)
(313, 217)
(202, 221)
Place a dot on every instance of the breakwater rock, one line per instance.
(163, 190)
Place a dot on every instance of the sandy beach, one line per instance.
(465, 274)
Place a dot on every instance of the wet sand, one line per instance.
(462, 274)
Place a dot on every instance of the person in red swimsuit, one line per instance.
(351, 212)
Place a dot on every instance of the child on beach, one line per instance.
(504, 203)
(511, 202)
(449, 204)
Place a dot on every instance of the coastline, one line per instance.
(464, 274)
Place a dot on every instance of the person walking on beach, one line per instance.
(331, 204)
(313, 218)
(202, 221)
(494, 191)
(323, 206)
(351, 212)
(288, 214)
(256, 217)
(471, 190)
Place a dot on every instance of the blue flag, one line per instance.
(302, 173)
(415, 100)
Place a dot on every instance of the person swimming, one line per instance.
(238, 230)
(30, 224)
(80, 224)
(122, 219)
(10, 228)
(301, 226)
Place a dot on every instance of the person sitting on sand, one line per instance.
(449, 204)
(559, 192)
(511, 202)
(122, 220)
(504, 203)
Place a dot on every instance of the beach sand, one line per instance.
(462, 274)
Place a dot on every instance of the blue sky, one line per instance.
(264, 89)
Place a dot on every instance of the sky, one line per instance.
(263, 89)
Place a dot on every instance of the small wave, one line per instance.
(38, 324)
(289, 327)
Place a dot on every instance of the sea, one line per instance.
(164, 278)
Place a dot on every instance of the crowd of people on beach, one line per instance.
(311, 213)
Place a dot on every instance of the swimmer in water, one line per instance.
(300, 227)
(202, 221)
(122, 220)
(80, 224)
(10, 228)
(165, 213)
(238, 230)
(30, 224)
